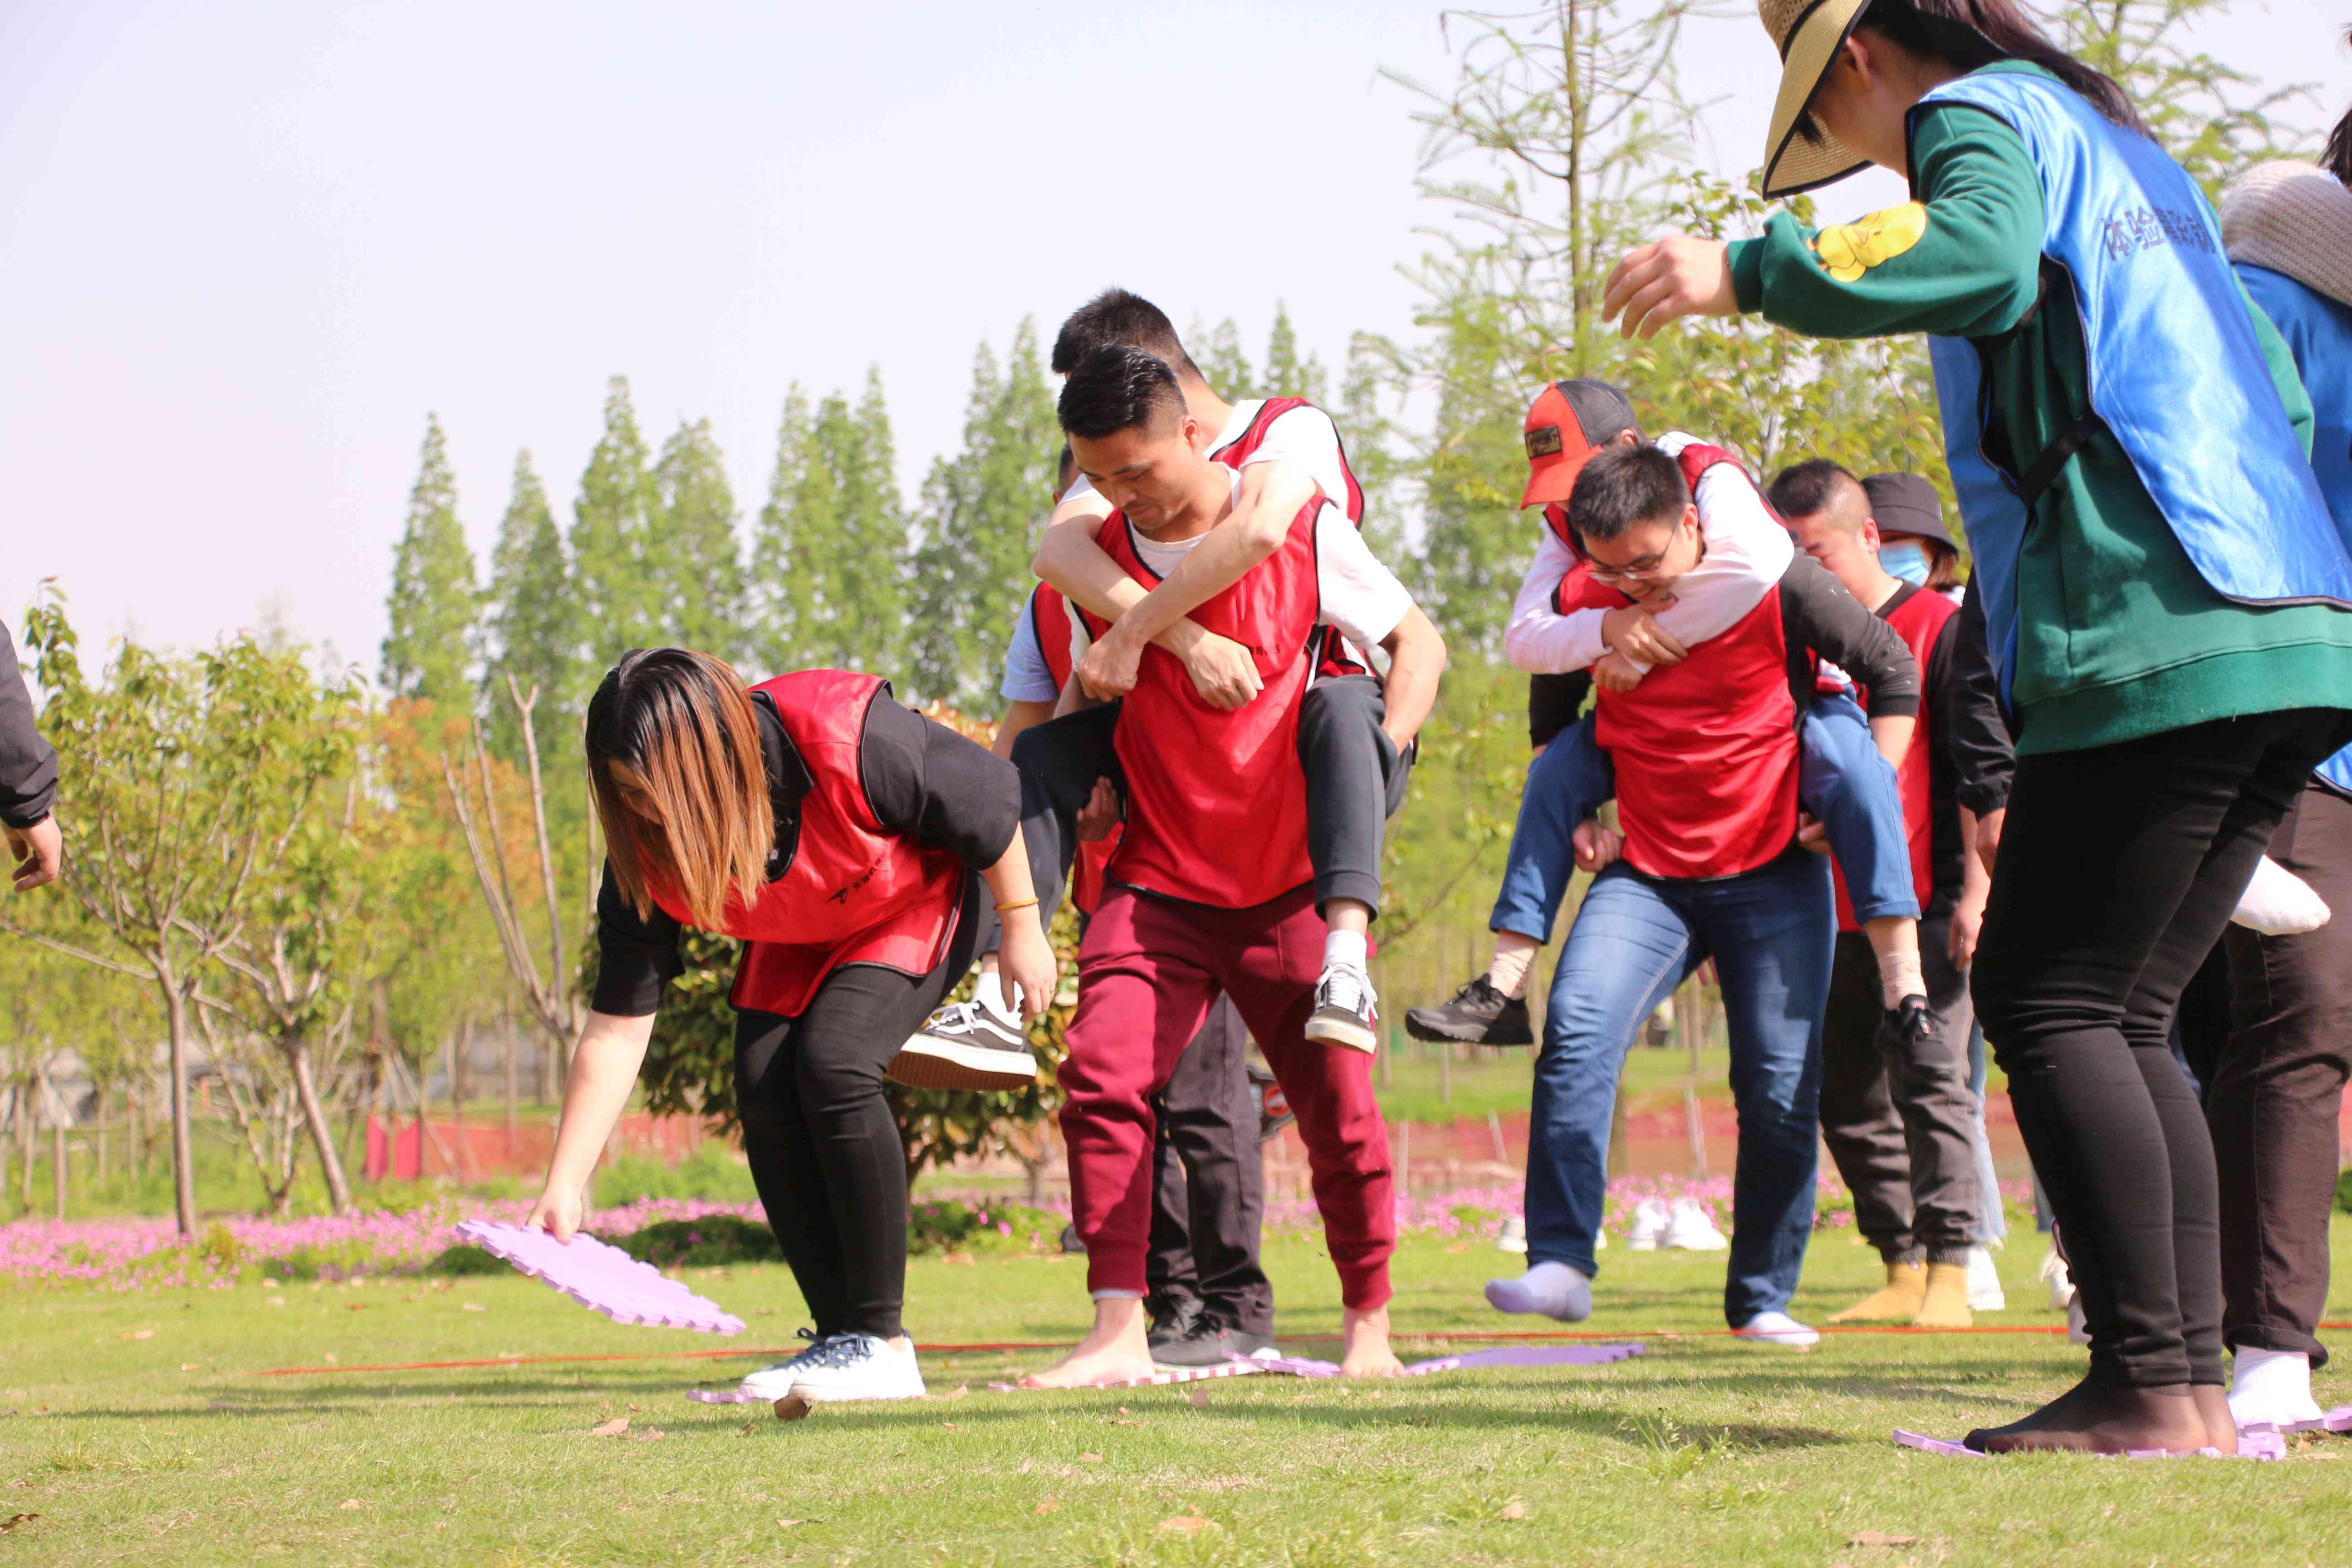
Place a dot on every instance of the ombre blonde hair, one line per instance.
(679, 782)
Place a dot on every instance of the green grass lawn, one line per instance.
(138, 1431)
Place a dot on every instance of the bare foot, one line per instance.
(1114, 1351)
(2091, 1418)
(1364, 1339)
(2212, 1402)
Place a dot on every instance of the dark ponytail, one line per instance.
(1972, 33)
(2337, 159)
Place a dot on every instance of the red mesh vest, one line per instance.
(1918, 618)
(854, 892)
(1217, 801)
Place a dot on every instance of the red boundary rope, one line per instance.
(992, 1346)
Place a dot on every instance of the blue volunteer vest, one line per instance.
(2176, 371)
(2318, 333)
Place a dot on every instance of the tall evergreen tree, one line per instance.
(843, 531)
(1286, 374)
(979, 515)
(1218, 352)
(433, 604)
(611, 530)
(695, 561)
(778, 599)
(532, 619)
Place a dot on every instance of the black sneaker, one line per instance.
(1070, 1242)
(1206, 1345)
(1274, 1113)
(1906, 1029)
(1479, 1015)
(1346, 1011)
(964, 1046)
(1179, 1324)
(1256, 1347)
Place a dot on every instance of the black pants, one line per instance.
(2118, 867)
(823, 1143)
(1902, 1129)
(1356, 780)
(2273, 1065)
(1208, 1187)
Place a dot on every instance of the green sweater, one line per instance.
(2118, 636)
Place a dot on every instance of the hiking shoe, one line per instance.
(1345, 1009)
(1479, 1015)
(1650, 1218)
(1274, 1113)
(963, 1045)
(856, 1366)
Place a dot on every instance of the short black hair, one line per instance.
(1805, 488)
(1117, 388)
(1622, 486)
(1116, 316)
(1065, 468)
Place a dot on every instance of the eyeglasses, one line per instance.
(1656, 569)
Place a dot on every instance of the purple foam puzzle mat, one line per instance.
(1472, 1361)
(2257, 1445)
(601, 1278)
(1157, 1380)
(2337, 1420)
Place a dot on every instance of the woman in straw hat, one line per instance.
(851, 846)
(2273, 1072)
(2165, 593)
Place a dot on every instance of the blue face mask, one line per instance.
(1905, 560)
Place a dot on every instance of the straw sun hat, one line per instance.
(2292, 218)
(1808, 33)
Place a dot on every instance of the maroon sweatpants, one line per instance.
(1148, 971)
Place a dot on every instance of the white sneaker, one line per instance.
(2277, 902)
(1513, 1237)
(2078, 1326)
(1690, 1228)
(1985, 1294)
(1346, 1009)
(857, 1366)
(2272, 1386)
(771, 1384)
(1776, 1329)
(2055, 1274)
(1649, 1225)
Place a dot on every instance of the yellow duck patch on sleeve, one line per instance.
(1850, 249)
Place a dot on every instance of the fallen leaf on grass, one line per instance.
(471, 1306)
(792, 1408)
(613, 1428)
(356, 1306)
(650, 1435)
(1198, 1398)
(1189, 1522)
(330, 1358)
(191, 1367)
(1879, 1538)
(963, 1259)
(788, 1523)
(14, 1520)
(349, 1503)
(136, 1334)
(274, 1300)
(1514, 1508)
(948, 1425)
(1051, 1505)
(1125, 1423)
(1459, 1246)
(1090, 1458)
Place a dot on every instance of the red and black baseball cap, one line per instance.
(1569, 422)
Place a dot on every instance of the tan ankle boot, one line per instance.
(1946, 1303)
(1898, 1302)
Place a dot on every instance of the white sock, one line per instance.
(1554, 1289)
(1899, 976)
(2277, 902)
(1514, 956)
(2272, 1386)
(988, 992)
(1779, 1329)
(1345, 949)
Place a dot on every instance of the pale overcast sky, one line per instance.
(244, 249)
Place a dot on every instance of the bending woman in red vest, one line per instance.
(845, 840)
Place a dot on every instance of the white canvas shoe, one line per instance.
(1649, 1225)
(1513, 1238)
(1985, 1294)
(1776, 1329)
(857, 1366)
(1691, 1229)
(2055, 1274)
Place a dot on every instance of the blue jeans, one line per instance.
(1769, 931)
(1840, 779)
(1993, 1224)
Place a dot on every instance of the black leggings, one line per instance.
(2118, 868)
(823, 1143)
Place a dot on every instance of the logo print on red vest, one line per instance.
(842, 896)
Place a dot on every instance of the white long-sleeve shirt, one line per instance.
(1748, 550)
